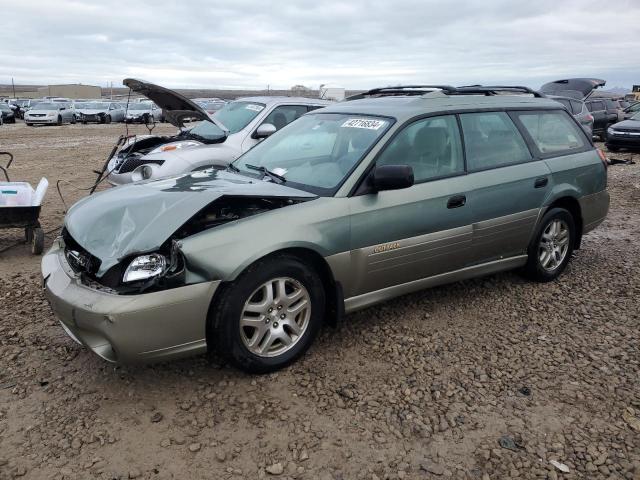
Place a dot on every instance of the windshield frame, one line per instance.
(322, 191)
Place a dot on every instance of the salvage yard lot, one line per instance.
(489, 378)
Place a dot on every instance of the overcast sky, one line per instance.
(355, 44)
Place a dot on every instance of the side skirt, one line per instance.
(367, 299)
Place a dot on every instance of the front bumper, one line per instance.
(45, 120)
(631, 140)
(127, 328)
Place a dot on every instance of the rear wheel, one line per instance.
(551, 247)
(269, 316)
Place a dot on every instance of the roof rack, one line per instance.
(404, 90)
(495, 90)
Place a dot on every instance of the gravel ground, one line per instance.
(492, 378)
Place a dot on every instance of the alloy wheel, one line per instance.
(554, 244)
(275, 317)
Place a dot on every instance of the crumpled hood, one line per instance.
(140, 217)
(92, 111)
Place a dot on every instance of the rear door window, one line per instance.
(553, 131)
(491, 140)
(595, 106)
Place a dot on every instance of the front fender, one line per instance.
(223, 252)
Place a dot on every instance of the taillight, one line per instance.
(590, 118)
(603, 157)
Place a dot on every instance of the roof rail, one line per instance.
(402, 90)
(488, 90)
(496, 89)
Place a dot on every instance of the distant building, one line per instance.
(70, 91)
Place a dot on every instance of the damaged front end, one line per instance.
(142, 252)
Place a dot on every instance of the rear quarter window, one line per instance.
(576, 107)
(553, 131)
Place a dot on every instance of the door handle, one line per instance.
(541, 182)
(456, 201)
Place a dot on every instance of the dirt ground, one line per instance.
(492, 378)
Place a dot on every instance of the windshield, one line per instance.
(206, 130)
(5, 107)
(635, 116)
(237, 115)
(316, 152)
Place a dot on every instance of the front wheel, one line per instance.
(269, 316)
(59, 120)
(552, 246)
(107, 119)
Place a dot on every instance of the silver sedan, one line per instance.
(51, 113)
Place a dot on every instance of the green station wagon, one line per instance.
(393, 191)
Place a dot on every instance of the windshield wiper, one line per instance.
(233, 168)
(266, 173)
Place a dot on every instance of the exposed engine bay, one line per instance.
(228, 209)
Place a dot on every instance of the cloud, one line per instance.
(357, 44)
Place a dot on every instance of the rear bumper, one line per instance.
(127, 328)
(594, 210)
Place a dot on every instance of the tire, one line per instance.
(233, 341)
(145, 119)
(59, 120)
(28, 235)
(73, 120)
(37, 242)
(29, 124)
(107, 119)
(549, 239)
(612, 148)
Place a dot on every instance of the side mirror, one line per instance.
(392, 177)
(265, 130)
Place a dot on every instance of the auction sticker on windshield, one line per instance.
(364, 123)
(255, 108)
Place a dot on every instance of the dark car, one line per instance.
(625, 134)
(631, 110)
(578, 109)
(7, 113)
(605, 112)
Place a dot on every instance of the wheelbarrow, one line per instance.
(20, 207)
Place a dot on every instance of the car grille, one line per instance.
(37, 114)
(78, 258)
(129, 164)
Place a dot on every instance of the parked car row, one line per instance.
(57, 111)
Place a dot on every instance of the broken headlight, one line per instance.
(145, 267)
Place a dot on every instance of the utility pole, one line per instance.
(111, 98)
(13, 87)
